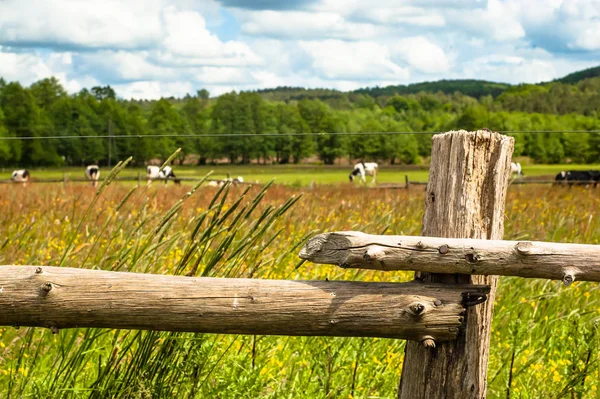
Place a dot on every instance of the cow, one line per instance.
(363, 169)
(92, 173)
(515, 168)
(236, 180)
(228, 179)
(154, 172)
(20, 176)
(582, 177)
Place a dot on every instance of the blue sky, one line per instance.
(153, 48)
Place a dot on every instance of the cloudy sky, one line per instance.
(153, 48)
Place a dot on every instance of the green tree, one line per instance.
(165, 120)
(5, 154)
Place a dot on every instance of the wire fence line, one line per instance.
(139, 178)
(406, 185)
(198, 136)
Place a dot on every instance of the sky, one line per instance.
(146, 49)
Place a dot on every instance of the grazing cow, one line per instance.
(154, 172)
(583, 177)
(228, 179)
(515, 168)
(363, 169)
(215, 183)
(92, 173)
(20, 176)
(236, 180)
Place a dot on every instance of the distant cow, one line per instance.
(154, 172)
(235, 180)
(363, 169)
(582, 177)
(515, 168)
(228, 179)
(92, 173)
(20, 176)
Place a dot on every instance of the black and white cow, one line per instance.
(235, 180)
(20, 176)
(363, 169)
(154, 172)
(582, 177)
(92, 173)
(228, 179)
(515, 169)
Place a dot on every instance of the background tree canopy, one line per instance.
(271, 125)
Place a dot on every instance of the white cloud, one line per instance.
(306, 25)
(413, 16)
(511, 69)
(108, 23)
(149, 48)
(336, 59)
(153, 89)
(25, 68)
(28, 68)
(499, 20)
(123, 65)
(222, 75)
(422, 54)
(187, 36)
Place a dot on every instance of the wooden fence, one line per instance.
(445, 313)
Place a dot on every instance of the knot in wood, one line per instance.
(524, 247)
(568, 279)
(46, 288)
(428, 341)
(443, 249)
(471, 258)
(38, 270)
(417, 308)
(432, 197)
(420, 245)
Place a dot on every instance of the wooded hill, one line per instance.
(290, 124)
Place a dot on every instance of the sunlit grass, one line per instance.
(232, 232)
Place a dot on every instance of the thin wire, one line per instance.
(149, 136)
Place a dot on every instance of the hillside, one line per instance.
(576, 77)
(470, 87)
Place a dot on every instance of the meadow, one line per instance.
(545, 342)
(294, 175)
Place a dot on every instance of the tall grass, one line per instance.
(544, 339)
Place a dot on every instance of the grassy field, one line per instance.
(544, 337)
(294, 175)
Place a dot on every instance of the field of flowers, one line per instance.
(544, 339)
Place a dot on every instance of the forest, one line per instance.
(293, 125)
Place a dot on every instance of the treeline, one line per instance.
(247, 127)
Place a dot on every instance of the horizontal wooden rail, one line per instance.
(532, 259)
(63, 297)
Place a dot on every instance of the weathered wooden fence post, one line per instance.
(465, 196)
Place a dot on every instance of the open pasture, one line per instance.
(292, 175)
(544, 339)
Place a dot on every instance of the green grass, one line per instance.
(294, 175)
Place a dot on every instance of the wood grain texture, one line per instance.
(66, 297)
(465, 196)
(556, 261)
